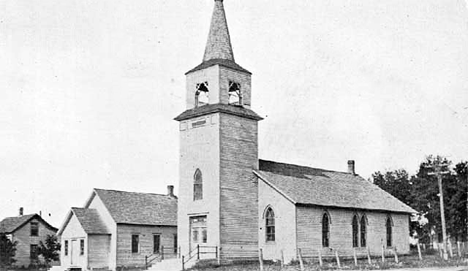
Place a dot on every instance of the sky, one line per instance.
(89, 89)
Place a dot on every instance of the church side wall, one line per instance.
(309, 237)
(285, 228)
(98, 251)
(239, 156)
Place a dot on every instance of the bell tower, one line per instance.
(218, 194)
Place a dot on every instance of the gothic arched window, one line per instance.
(325, 230)
(197, 185)
(355, 231)
(270, 224)
(363, 231)
(388, 226)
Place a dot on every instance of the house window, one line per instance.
(355, 231)
(363, 231)
(65, 249)
(270, 224)
(82, 247)
(156, 243)
(197, 185)
(34, 229)
(175, 243)
(135, 243)
(235, 94)
(325, 230)
(388, 225)
(201, 94)
(33, 252)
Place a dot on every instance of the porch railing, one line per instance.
(197, 251)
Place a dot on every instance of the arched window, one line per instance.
(197, 185)
(201, 94)
(235, 94)
(363, 231)
(388, 225)
(355, 231)
(325, 230)
(270, 224)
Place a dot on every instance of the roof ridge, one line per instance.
(133, 192)
(327, 170)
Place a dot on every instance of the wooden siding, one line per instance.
(125, 257)
(309, 232)
(238, 187)
(25, 240)
(98, 251)
(73, 231)
(285, 228)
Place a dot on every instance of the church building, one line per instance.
(231, 203)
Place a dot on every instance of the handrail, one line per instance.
(147, 261)
(189, 256)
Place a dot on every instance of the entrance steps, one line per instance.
(168, 265)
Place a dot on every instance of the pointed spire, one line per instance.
(218, 45)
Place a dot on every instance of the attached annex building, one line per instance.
(118, 229)
(231, 200)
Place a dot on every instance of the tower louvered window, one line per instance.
(197, 185)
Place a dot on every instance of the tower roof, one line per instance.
(218, 45)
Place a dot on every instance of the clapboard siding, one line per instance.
(98, 251)
(23, 236)
(125, 257)
(238, 186)
(309, 231)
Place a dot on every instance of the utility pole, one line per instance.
(438, 172)
(466, 172)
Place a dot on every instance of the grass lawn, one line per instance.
(409, 261)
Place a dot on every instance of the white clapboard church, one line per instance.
(231, 203)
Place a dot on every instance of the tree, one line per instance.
(7, 251)
(397, 183)
(50, 251)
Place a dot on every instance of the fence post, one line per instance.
(337, 259)
(419, 251)
(146, 262)
(183, 262)
(218, 255)
(198, 252)
(458, 249)
(162, 252)
(260, 258)
(383, 253)
(396, 254)
(355, 257)
(450, 248)
(282, 259)
(368, 256)
(178, 252)
(301, 263)
(320, 257)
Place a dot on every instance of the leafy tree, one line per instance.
(50, 251)
(397, 183)
(7, 251)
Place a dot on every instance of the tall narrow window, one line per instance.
(325, 230)
(175, 243)
(34, 229)
(135, 243)
(81, 247)
(201, 94)
(355, 231)
(388, 225)
(235, 94)
(156, 243)
(270, 224)
(197, 185)
(363, 231)
(33, 252)
(65, 248)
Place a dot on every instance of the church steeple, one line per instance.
(218, 45)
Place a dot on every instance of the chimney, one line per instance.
(351, 168)
(21, 211)
(170, 190)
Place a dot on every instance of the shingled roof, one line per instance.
(313, 186)
(223, 108)
(10, 224)
(90, 221)
(139, 208)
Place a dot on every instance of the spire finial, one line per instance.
(218, 45)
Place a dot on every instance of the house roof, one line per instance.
(214, 108)
(314, 186)
(11, 224)
(90, 221)
(139, 208)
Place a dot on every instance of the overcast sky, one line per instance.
(89, 89)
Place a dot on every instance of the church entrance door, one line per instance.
(198, 232)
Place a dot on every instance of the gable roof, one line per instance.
(11, 224)
(139, 208)
(320, 187)
(90, 221)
